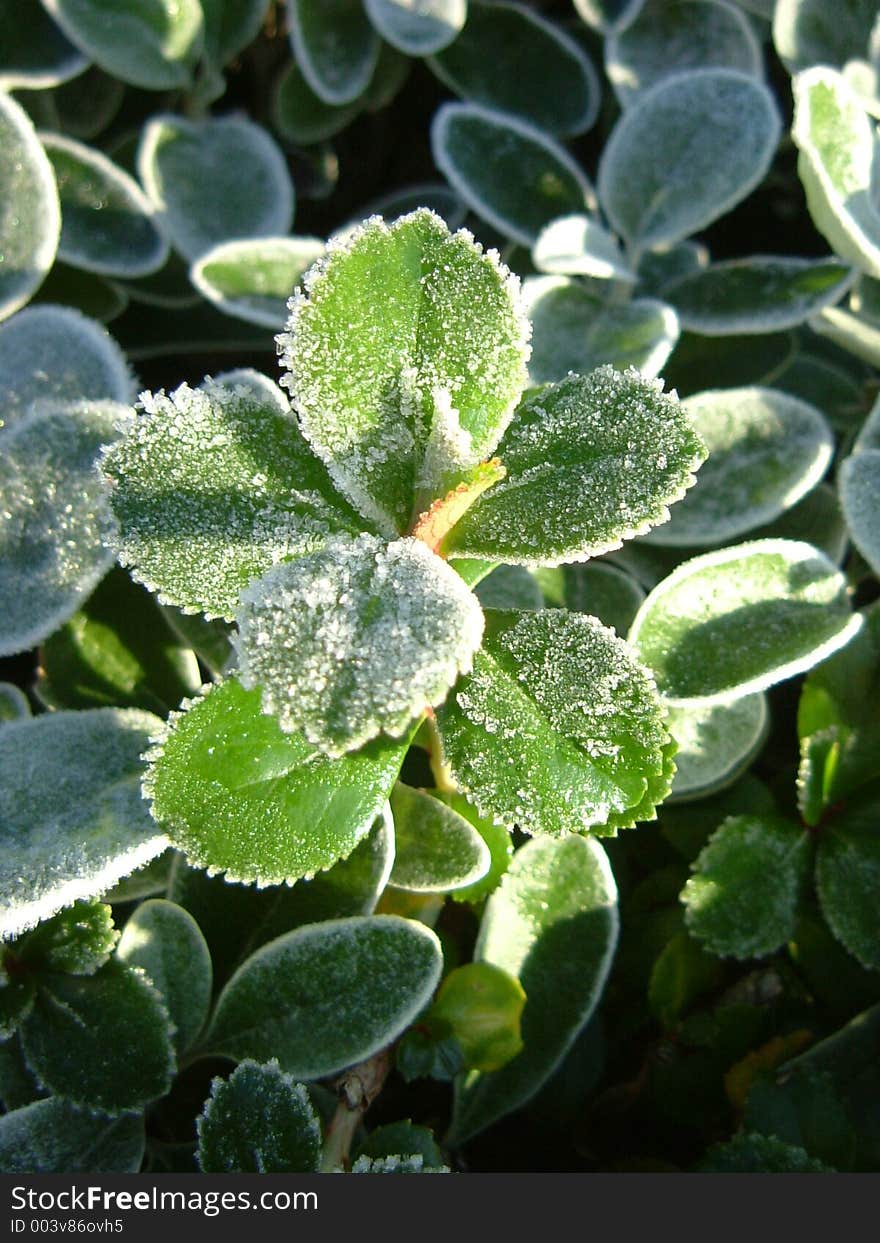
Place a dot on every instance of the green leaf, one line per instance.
(836, 143)
(803, 1109)
(856, 334)
(335, 46)
(55, 354)
(677, 36)
(579, 246)
(164, 941)
(395, 1164)
(742, 900)
(847, 879)
(357, 639)
(31, 221)
(407, 356)
(72, 821)
(435, 195)
(553, 925)
(402, 1138)
(214, 180)
(253, 279)
(101, 1041)
(764, 293)
(258, 1121)
(604, 592)
(766, 449)
(54, 1137)
(301, 116)
(749, 1153)
(807, 32)
(497, 838)
(579, 479)
(869, 433)
(510, 58)
(859, 483)
(36, 54)
(716, 744)
(512, 174)
(481, 1005)
(608, 15)
(88, 103)
(509, 587)
(418, 27)
(436, 849)
(574, 330)
(230, 27)
(14, 704)
(107, 220)
(557, 729)
(51, 552)
(154, 46)
(78, 940)
(661, 267)
(741, 619)
(682, 973)
(211, 487)
(240, 796)
(685, 153)
(118, 651)
(328, 995)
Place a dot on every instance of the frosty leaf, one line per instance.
(258, 1121)
(418, 27)
(741, 901)
(164, 941)
(847, 879)
(869, 435)
(72, 820)
(837, 146)
(254, 382)
(253, 279)
(30, 222)
(101, 1041)
(751, 1153)
(742, 619)
(859, 482)
(51, 552)
(557, 729)
(328, 995)
(401, 1138)
(240, 796)
(230, 27)
(715, 744)
(590, 462)
(509, 587)
(436, 849)
(357, 639)
(55, 353)
(512, 174)
(553, 925)
(607, 15)
(574, 330)
(604, 592)
(396, 1164)
(667, 38)
(213, 180)
(579, 246)
(508, 57)
(335, 46)
(406, 356)
(301, 116)
(35, 53)
(78, 940)
(54, 1137)
(154, 46)
(765, 293)
(766, 451)
(808, 32)
(209, 488)
(685, 153)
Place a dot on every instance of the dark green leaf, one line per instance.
(54, 1137)
(258, 1121)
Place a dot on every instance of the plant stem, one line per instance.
(357, 1089)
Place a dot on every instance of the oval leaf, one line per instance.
(607, 15)
(54, 1137)
(436, 849)
(859, 483)
(253, 279)
(579, 246)
(30, 224)
(329, 995)
(418, 27)
(847, 879)
(36, 54)
(301, 116)
(715, 744)
(258, 1121)
(335, 46)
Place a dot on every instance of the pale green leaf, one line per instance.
(480, 1006)
(436, 849)
(590, 462)
(209, 488)
(741, 619)
(767, 450)
(508, 57)
(36, 54)
(742, 899)
(72, 820)
(335, 46)
(512, 174)
(715, 744)
(164, 941)
(685, 153)
(810, 32)
(552, 924)
(52, 1136)
(579, 246)
(356, 639)
(418, 27)
(214, 180)
(859, 482)
(558, 728)
(253, 279)
(328, 995)
(258, 1121)
(406, 355)
(847, 881)
(301, 116)
(153, 45)
(240, 796)
(30, 221)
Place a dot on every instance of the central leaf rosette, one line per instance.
(343, 538)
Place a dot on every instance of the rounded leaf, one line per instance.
(859, 483)
(30, 223)
(301, 116)
(847, 879)
(258, 1121)
(254, 279)
(715, 744)
(418, 27)
(435, 849)
(335, 46)
(52, 1136)
(36, 54)
(481, 1006)
(230, 26)
(578, 246)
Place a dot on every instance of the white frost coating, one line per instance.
(30, 224)
(715, 744)
(577, 245)
(356, 639)
(417, 27)
(859, 483)
(245, 381)
(253, 279)
(55, 352)
(72, 820)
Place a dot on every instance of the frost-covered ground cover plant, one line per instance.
(438, 728)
